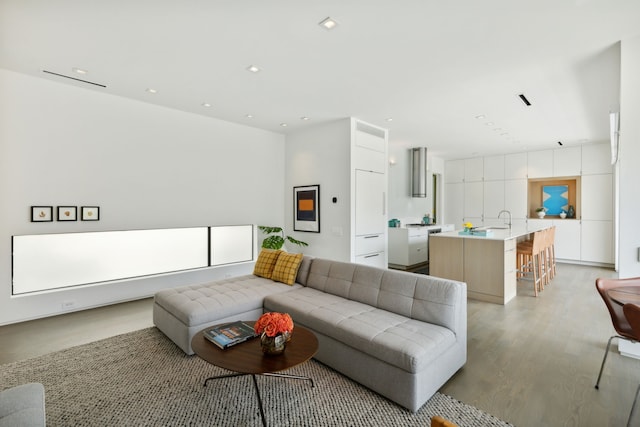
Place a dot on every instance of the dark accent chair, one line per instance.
(620, 322)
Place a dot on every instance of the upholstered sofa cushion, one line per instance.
(266, 262)
(420, 297)
(396, 339)
(204, 303)
(286, 268)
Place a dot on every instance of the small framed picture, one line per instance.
(90, 213)
(67, 213)
(41, 213)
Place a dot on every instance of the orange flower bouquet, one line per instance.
(273, 324)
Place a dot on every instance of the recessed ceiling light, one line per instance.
(150, 90)
(489, 123)
(206, 104)
(497, 129)
(284, 125)
(328, 23)
(249, 116)
(253, 68)
(389, 119)
(305, 118)
(79, 71)
(480, 116)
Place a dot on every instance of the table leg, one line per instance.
(293, 377)
(222, 376)
(255, 383)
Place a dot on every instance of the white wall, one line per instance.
(321, 155)
(401, 204)
(145, 166)
(629, 155)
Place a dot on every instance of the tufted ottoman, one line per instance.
(182, 312)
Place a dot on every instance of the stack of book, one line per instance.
(229, 334)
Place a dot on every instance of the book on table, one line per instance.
(229, 334)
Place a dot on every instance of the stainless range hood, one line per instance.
(419, 172)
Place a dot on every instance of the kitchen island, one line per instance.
(487, 263)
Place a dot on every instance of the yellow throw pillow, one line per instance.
(286, 268)
(265, 263)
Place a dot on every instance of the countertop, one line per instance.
(498, 233)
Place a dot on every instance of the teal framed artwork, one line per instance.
(555, 198)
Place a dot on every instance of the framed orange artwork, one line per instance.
(306, 211)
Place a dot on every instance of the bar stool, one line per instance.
(551, 252)
(529, 257)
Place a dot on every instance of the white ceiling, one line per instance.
(431, 65)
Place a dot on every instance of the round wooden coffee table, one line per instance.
(247, 358)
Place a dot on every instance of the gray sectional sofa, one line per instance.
(401, 334)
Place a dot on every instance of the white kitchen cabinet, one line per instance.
(369, 152)
(597, 203)
(474, 169)
(537, 223)
(454, 171)
(374, 260)
(588, 238)
(567, 161)
(408, 246)
(369, 174)
(515, 197)
(454, 202)
(540, 164)
(494, 168)
(596, 159)
(371, 243)
(493, 195)
(515, 166)
(473, 199)
(370, 206)
(597, 242)
(567, 239)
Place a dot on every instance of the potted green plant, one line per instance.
(541, 212)
(277, 238)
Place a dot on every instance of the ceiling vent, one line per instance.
(73, 78)
(419, 172)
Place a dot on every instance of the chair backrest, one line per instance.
(538, 243)
(632, 313)
(619, 320)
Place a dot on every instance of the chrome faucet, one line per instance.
(508, 213)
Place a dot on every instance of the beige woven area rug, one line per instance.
(143, 379)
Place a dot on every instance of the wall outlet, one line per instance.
(66, 305)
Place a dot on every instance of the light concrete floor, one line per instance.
(533, 362)
(25, 340)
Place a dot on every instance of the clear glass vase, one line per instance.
(273, 346)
